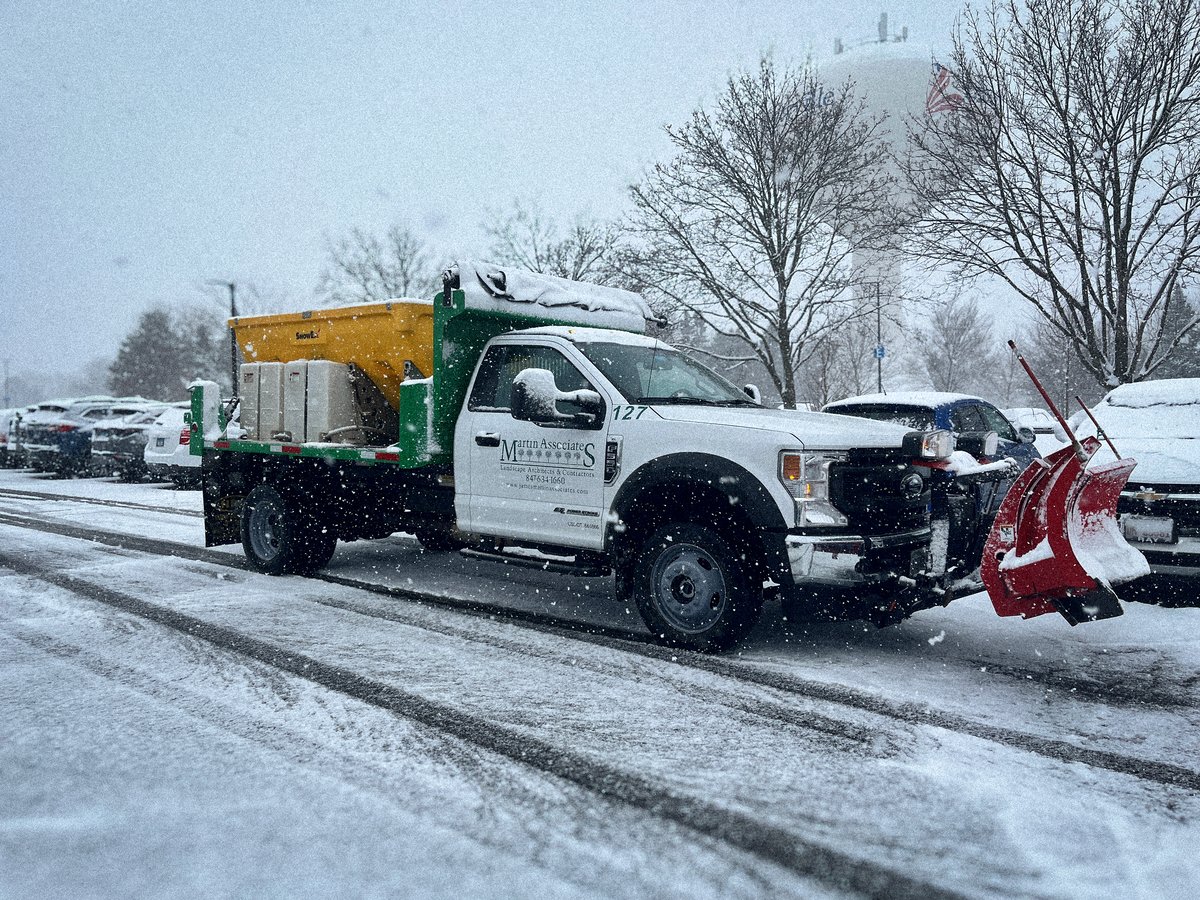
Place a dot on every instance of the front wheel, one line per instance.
(282, 536)
(694, 590)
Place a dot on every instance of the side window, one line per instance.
(95, 414)
(966, 418)
(502, 364)
(994, 420)
(483, 395)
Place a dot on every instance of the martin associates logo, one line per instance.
(563, 454)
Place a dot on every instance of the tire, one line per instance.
(131, 473)
(186, 480)
(439, 540)
(1168, 591)
(281, 536)
(694, 590)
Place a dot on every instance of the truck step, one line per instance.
(580, 566)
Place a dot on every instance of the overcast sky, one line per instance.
(149, 146)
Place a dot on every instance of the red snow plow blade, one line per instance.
(1055, 545)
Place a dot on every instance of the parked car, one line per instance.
(63, 443)
(38, 439)
(1158, 424)
(12, 426)
(1049, 435)
(966, 505)
(7, 416)
(166, 454)
(118, 445)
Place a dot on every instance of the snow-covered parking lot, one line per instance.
(416, 724)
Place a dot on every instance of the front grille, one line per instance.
(868, 488)
(1186, 513)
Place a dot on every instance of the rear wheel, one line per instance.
(282, 536)
(694, 589)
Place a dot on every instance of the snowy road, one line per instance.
(178, 725)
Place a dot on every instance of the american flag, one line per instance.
(941, 97)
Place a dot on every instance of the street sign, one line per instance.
(880, 352)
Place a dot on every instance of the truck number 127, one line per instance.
(625, 413)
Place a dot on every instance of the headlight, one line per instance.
(806, 477)
(929, 444)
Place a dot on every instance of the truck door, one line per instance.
(542, 483)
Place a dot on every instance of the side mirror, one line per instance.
(535, 397)
(1026, 435)
(979, 443)
(753, 393)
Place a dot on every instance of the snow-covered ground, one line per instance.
(174, 726)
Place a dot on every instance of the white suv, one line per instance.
(167, 456)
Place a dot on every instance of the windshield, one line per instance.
(919, 418)
(661, 374)
(1177, 420)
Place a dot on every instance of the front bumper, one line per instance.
(1180, 558)
(40, 456)
(857, 561)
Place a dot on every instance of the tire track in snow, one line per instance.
(331, 758)
(97, 501)
(1167, 774)
(736, 829)
(1111, 691)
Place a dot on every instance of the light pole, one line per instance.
(233, 357)
(879, 349)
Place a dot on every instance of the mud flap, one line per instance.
(222, 501)
(1055, 545)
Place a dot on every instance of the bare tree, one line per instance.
(1056, 360)
(1184, 361)
(755, 222)
(534, 241)
(362, 268)
(842, 362)
(957, 349)
(1069, 167)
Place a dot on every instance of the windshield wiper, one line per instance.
(695, 401)
(698, 401)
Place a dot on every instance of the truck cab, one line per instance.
(618, 444)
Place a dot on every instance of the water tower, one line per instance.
(900, 80)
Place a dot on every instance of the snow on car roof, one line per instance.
(1166, 392)
(1158, 424)
(906, 398)
(494, 287)
(1026, 411)
(1150, 410)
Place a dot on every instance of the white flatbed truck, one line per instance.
(530, 419)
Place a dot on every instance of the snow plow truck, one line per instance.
(531, 420)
